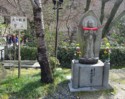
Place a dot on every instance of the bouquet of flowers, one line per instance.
(77, 53)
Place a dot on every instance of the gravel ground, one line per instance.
(116, 80)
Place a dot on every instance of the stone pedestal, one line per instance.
(89, 77)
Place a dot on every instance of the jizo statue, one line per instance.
(89, 35)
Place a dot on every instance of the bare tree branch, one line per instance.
(102, 10)
(20, 8)
(87, 5)
(16, 2)
(34, 4)
(68, 18)
(10, 2)
(111, 17)
(117, 19)
(45, 1)
(3, 9)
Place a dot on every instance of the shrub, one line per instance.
(28, 53)
(31, 44)
(117, 56)
(54, 62)
(65, 55)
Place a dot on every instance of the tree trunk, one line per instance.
(46, 74)
(87, 5)
(102, 10)
(112, 15)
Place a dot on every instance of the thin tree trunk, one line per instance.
(102, 10)
(102, 13)
(87, 5)
(46, 74)
(11, 3)
(67, 23)
(20, 8)
(112, 15)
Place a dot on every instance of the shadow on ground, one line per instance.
(62, 92)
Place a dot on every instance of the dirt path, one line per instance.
(118, 82)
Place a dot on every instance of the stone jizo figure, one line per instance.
(89, 38)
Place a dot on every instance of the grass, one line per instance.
(28, 86)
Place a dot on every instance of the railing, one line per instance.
(2, 54)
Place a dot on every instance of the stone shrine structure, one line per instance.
(89, 73)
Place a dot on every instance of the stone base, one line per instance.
(84, 75)
(88, 88)
(89, 77)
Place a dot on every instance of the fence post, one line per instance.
(1, 55)
(1, 52)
